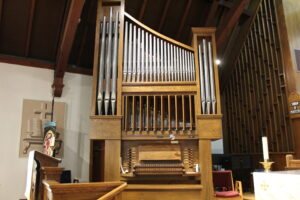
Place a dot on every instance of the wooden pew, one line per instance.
(83, 191)
(292, 163)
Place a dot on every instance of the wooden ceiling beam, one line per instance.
(164, 15)
(142, 11)
(229, 60)
(183, 19)
(65, 47)
(26, 61)
(85, 32)
(212, 13)
(1, 10)
(29, 27)
(232, 19)
(229, 5)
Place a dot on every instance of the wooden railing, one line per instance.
(86, 191)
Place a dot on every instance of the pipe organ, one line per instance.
(155, 108)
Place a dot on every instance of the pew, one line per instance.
(291, 163)
(43, 183)
(83, 191)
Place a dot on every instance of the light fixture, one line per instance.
(218, 62)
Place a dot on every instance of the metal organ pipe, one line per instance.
(115, 65)
(149, 58)
(138, 55)
(143, 56)
(101, 67)
(165, 61)
(201, 75)
(108, 65)
(212, 79)
(154, 63)
(129, 54)
(125, 59)
(134, 55)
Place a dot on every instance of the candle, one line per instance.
(265, 148)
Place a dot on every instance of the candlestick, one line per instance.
(267, 165)
(265, 148)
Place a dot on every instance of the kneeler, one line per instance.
(224, 188)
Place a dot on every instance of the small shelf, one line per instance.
(168, 87)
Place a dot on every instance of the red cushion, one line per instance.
(227, 194)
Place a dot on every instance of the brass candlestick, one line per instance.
(267, 165)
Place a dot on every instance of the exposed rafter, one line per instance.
(229, 60)
(1, 9)
(229, 5)
(212, 13)
(29, 27)
(142, 11)
(164, 14)
(232, 18)
(66, 45)
(183, 19)
(85, 32)
(26, 61)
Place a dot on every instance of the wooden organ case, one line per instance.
(155, 108)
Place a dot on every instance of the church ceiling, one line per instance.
(31, 31)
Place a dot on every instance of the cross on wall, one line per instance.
(44, 112)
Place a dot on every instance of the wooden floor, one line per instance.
(249, 196)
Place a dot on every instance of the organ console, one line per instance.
(155, 108)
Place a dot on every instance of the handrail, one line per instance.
(114, 192)
(157, 33)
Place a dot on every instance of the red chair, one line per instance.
(224, 188)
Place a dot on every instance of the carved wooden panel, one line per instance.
(256, 96)
(35, 114)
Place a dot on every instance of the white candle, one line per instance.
(265, 148)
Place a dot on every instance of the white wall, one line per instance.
(18, 83)
(217, 147)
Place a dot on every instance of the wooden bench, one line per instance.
(291, 163)
(83, 191)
